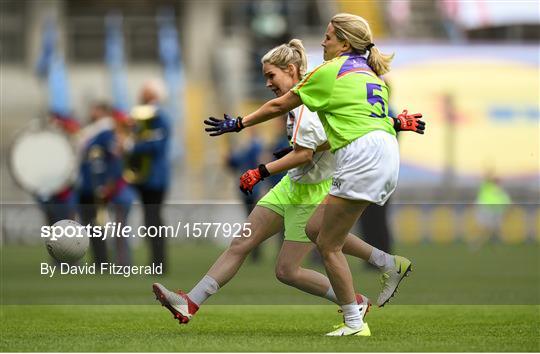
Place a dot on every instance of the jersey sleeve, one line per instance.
(308, 130)
(315, 89)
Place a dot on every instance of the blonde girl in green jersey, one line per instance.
(287, 206)
(351, 101)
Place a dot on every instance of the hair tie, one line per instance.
(369, 46)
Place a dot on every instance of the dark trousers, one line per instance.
(88, 213)
(152, 201)
(375, 229)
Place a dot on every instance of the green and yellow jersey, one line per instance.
(348, 97)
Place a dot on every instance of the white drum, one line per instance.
(42, 160)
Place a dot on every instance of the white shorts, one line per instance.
(367, 168)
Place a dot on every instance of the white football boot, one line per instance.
(344, 330)
(390, 279)
(178, 303)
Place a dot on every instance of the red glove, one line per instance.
(406, 122)
(251, 177)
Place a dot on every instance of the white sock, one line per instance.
(351, 314)
(331, 295)
(203, 290)
(382, 260)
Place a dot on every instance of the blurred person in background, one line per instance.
(148, 167)
(119, 194)
(241, 159)
(448, 10)
(399, 14)
(492, 201)
(286, 207)
(101, 184)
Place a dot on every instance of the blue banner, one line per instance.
(169, 53)
(114, 58)
(51, 67)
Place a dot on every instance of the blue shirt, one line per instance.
(156, 149)
(99, 165)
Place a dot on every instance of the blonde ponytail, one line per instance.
(379, 62)
(355, 30)
(297, 45)
(285, 54)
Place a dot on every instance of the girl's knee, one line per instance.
(286, 273)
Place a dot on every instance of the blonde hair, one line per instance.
(355, 30)
(285, 54)
(156, 89)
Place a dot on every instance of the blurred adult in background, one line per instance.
(399, 14)
(492, 202)
(149, 164)
(93, 142)
(101, 183)
(240, 160)
(449, 10)
(118, 193)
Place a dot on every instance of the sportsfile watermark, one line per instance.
(181, 229)
(500, 253)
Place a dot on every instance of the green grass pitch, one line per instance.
(267, 328)
(455, 300)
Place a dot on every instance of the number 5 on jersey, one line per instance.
(373, 98)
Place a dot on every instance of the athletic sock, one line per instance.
(331, 295)
(382, 260)
(351, 314)
(207, 287)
